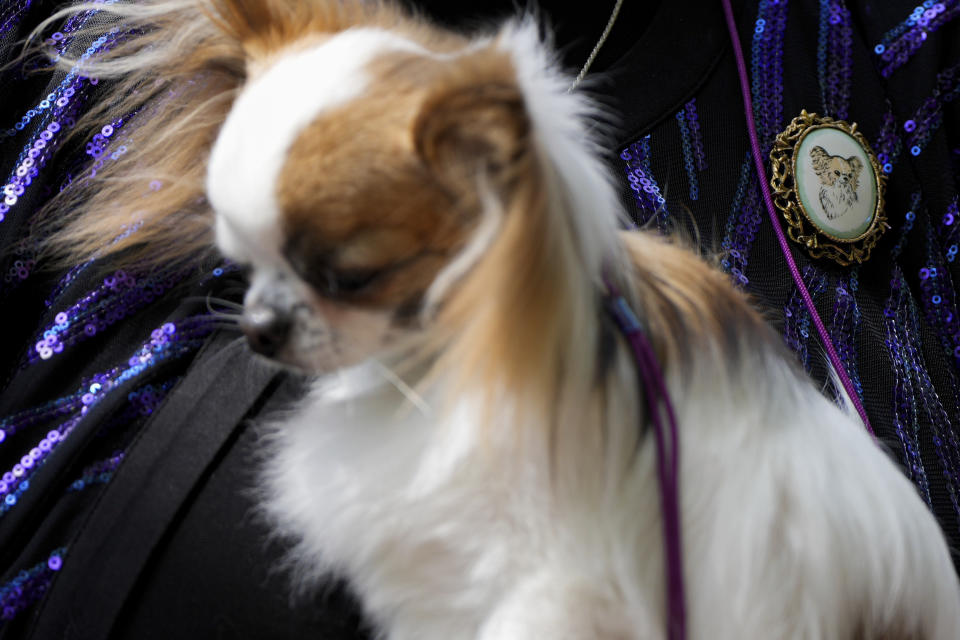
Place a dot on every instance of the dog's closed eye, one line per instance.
(331, 280)
(339, 283)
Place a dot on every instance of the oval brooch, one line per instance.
(828, 185)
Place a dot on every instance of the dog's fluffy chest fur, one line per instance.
(440, 528)
(837, 199)
(446, 534)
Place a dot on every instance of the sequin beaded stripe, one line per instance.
(48, 123)
(844, 328)
(899, 44)
(100, 472)
(742, 222)
(61, 416)
(766, 73)
(929, 116)
(834, 57)
(938, 299)
(119, 296)
(11, 14)
(30, 585)
(646, 192)
(888, 144)
(696, 135)
(691, 141)
(901, 325)
(796, 317)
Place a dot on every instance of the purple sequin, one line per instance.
(916, 401)
(766, 73)
(888, 143)
(834, 58)
(11, 13)
(689, 161)
(120, 295)
(900, 43)
(929, 117)
(743, 222)
(646, 192)
(696, 134)
(167, 341)
(100, 472)
(796, 317)
(29, 585)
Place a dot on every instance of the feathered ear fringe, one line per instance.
(526, 321)
(521, 321)
(172, 77)
(264, 26)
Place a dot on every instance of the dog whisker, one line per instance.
(224, 302)
(228, 326)
(231, 314)
(408, 392)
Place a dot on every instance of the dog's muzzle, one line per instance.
(267, 329)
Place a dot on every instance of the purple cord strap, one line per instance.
(784, 246)
(658, 401)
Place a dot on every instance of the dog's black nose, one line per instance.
(267, 329)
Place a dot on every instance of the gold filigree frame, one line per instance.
(801, 227)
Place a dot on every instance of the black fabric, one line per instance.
(218, 572)
(170, 454)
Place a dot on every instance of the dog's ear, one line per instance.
(821, 159)
(245, 20)
(263, 26)
(474, 133)
(855, 165)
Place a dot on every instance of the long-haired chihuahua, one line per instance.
(432, 235)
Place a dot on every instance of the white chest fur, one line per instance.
(446, 536)
(441, 534)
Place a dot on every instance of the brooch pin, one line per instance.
(829, 186)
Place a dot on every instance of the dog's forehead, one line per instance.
(270, 112)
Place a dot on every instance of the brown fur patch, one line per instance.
(687, 303)
(514, 319)
(388, 182)
(267, 26)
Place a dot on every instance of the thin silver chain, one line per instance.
(596, 48)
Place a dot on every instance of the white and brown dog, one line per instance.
(427, 221)
(839, 178)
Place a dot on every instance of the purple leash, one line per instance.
(658, 402)
(775, 222)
